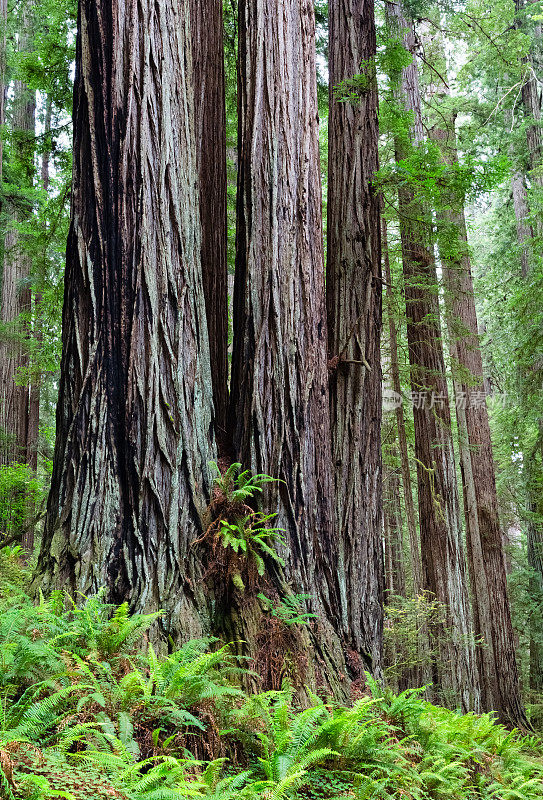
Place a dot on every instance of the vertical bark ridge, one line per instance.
(354, 306)
(210, 121)
(134, 417)
(279, 392)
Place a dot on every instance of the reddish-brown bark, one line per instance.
(443, 560)
(134, 418)
(354, 289)
(279, 393)
(210, 124)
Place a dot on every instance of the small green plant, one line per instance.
(407, 645)
(251, 539)
(289, 610)
(238, 487)
(241, 538)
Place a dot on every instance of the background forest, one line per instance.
(271, 399)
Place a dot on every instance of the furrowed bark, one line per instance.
(134, 418)
(210, 121)
(354, 306)
(279, 394)
(442, 552)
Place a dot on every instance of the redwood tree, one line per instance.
(354, 289)
(279, 392)
(496, 659)
(15, 300)
(134, 415)
(443, 560)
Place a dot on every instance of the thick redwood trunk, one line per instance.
(354, 318)
(443, 559)
(279, 394)
(134, 416)
(210, 123)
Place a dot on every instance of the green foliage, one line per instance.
(237, 486)
(289, 610)
(406, 646)
(86, 713)
(243, 534)
(250, 538)
(20, 494)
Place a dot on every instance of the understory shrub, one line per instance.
(89, 709)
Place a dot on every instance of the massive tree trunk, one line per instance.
(439, 513)
(279, 393)
(16, 299)
(414, 542)
(498, 672)
(134, 418)
(354, 290)
(210, 120)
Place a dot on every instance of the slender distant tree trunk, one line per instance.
(531, 101)
(414, 543)
(522, 214)
(498, 672)
(389, 568)
(16, 298)
(279, 393)
(534, 529)
(34, 404)
(134, 418)
(530, 224)
(210, 121)
(393, 514)
(33, 433)
(439, 513)
(354, 291)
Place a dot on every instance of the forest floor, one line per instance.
(87, 711)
